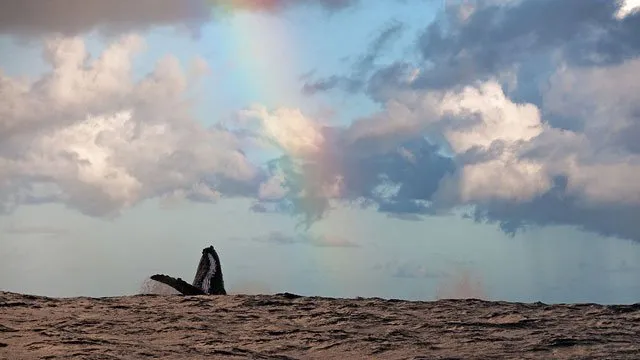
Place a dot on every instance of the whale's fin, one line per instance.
(209, 273)
(180, 285)
(208, 280)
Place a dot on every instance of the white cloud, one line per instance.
(607, 183)
(75, 86)
(87, 134)
(479, 117)
(601, 161)
(288, 128)
(495, 118)
(628, 7)
(560, 146)
(499, 118)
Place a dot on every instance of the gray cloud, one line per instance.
(361, 68)
(496, 37)
(519, 171)
(399, 180)
(513, 39)
(559, 207)
(71, 17)
(535, 103)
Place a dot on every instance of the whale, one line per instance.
(208, 279)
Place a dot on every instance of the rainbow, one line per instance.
(265, 53)
(262, 5)
(264, 49)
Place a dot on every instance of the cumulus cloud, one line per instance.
(400, 178)
(479, 125)
(531, 104)
(73, 17)
(507, 155)
(89, 135)
(523, 111)
(287, 129)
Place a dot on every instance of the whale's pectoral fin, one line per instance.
(180, 285)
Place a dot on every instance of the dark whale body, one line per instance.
(208, 279)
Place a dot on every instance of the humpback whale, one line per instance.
(208, 279)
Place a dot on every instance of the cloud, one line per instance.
(628, 7)
(74, 17)
(277, 237)
(286, 128)
(596, 100)
(361, 68)
(591, 158)
(505, 35)
(432, 151)
(400, 178)
(88, 135)
(273, 188)
(522, 111)
(506, 155)
(532, 106)
(463, 121)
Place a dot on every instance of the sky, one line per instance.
(412, 149)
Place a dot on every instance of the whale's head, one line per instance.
(209, 273)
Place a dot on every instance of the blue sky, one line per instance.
(95, 202)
